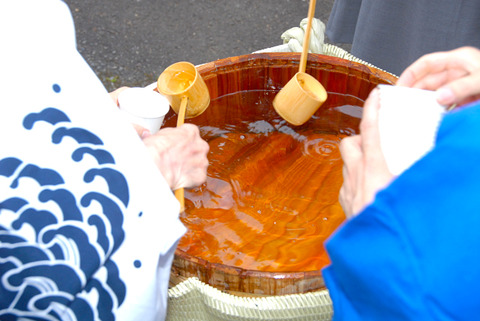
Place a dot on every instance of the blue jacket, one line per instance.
(414, 253)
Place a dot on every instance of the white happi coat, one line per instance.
(88, 225)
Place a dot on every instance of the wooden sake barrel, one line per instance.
(258, 225)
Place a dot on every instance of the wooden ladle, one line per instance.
(188, 95)
(303, 94)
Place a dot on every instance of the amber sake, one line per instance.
(271, 197)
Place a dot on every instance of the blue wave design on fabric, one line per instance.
(88, 257)
(43, 176)
(102, 238)
(5, 294)
(13, 204)
(9, 165)
(23, 253)
(79, 306)
(82, 136)
(57, 274)
(9, 316)
(102, 156)
(43, 271)
(117, 184)
(66, 200)
(10, 238)
(49, 115)
(105, 300)
(110, 210)
(114, 281)
(38, 220)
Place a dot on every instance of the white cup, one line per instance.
(144, 107)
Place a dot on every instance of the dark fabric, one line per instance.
(392, 34)
(413, 254)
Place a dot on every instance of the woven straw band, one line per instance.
(195, 300)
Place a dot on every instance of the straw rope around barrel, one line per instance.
(195, 300)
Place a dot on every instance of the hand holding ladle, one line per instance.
(188, 95)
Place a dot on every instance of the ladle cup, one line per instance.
(303, 94)
(188, 95)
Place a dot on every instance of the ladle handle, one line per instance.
(180, 121)
(180, 198)
(306, 40)
(181, 111)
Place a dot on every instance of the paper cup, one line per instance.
(143, 107)
(408, 122)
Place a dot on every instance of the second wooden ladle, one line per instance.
(188, 95)
(303, 94)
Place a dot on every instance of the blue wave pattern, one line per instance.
(55, 276)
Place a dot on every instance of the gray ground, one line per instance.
(130, 42)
